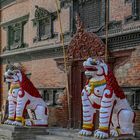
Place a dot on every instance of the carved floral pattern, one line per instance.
(85, 44)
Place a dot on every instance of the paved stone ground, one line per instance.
(42, 133)
(72, 134)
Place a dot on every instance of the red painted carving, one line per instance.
(85, 44)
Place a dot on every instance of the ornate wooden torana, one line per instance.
(85, 44)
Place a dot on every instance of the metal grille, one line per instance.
(90, 13)
(42, 28)
(138, 8)
(5, 2)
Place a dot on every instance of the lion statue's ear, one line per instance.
(104, 66)
(20, 67)
(9, 65)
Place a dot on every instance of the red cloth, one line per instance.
(27, 85)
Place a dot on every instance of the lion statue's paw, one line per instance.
(100, 134)
(84, 132)
(9, 122)
(16, 123)
(28, 123)
(114, 133)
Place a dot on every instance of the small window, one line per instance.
(4, 3)
(92, 12)
(15, 33)
(134, 100)
(44, 23)
(14, 37)
(53, 96)
(138, 8)
(28, 75)
(137, 100)
(128, 1)
(42, 27)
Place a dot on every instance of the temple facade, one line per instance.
(30, 34)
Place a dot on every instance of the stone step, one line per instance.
(138, 134)
(23, 129)
(52, 137)
(63, 132)
(40, 133)
(23, 138)
(5, 134)
(72, 134)
(8, 132)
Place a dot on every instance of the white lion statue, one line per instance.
(22, 96)
(103, 93)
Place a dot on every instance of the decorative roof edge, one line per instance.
(20, 19)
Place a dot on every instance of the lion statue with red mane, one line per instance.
(103, 93)
(23, 96)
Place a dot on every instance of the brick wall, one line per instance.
(127, 70)
(45, 73)
(119, 9)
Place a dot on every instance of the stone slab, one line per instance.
(54, 137)
(9, 132)
(72, 134)
(138, 134)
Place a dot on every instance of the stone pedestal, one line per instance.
(8, 132)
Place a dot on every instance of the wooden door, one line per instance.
(77, 83)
